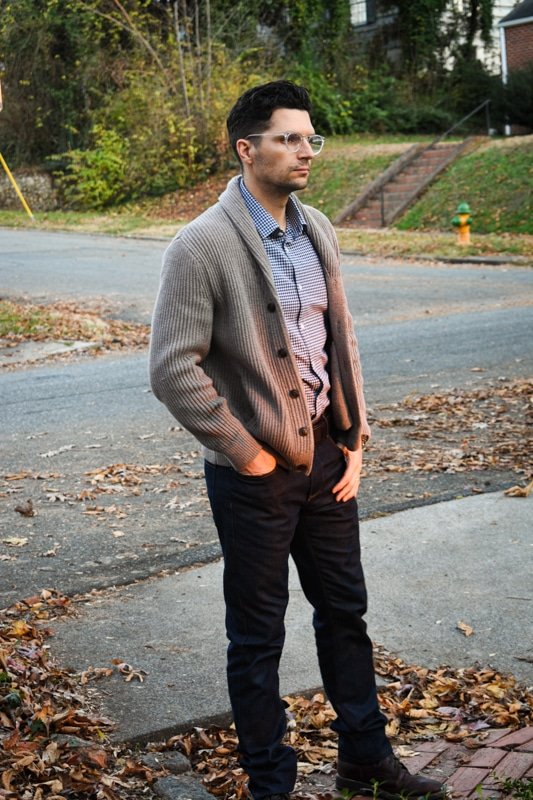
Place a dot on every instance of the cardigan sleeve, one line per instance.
(181, 335)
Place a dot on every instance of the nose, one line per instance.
(305, 150)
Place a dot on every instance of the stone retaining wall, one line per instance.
(36, 186)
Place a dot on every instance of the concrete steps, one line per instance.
(386, 198)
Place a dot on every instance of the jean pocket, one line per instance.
(257, 478)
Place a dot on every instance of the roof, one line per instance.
(523, 12)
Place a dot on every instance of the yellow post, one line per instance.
(16, 188)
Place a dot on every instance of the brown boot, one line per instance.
(388, 779)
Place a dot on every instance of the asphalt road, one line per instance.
(421, 327)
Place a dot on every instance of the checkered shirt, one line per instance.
(300, 284)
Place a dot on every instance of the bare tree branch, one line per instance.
(130, 27)
(175, 11)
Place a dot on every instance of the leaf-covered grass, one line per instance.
(23, 322)
(496, 181)
(119, 221)
(54, 744)
(393, 243)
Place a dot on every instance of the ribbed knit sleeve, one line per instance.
(181, 337)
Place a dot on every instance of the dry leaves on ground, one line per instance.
(477, 429)
(108, 478)
(420, 703)
(66, 321)
(53, 746)
(188, 204)
(453, 703)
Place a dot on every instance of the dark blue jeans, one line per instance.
(261, 521)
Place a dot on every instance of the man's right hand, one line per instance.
(262, 464)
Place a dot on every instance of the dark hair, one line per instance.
(252, 111)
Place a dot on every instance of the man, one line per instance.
(253, 352)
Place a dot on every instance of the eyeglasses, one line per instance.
(294, 141)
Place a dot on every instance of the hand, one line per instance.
(348, 486)
(262, 464)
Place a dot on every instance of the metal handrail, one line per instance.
(485, 104)
(377, 186)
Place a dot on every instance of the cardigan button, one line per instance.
(282, 352)
(303, 431)
(271, 307)
(294, 393)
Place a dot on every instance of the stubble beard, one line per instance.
(294, 183)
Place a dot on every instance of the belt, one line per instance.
(321, 428)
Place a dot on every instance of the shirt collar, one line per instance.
(264, 221)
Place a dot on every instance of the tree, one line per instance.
(430, 31)
(418, 25)
(55, 69)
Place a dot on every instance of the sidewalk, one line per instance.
(428, 568)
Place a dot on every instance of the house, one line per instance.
(374, 24)
(516, 38)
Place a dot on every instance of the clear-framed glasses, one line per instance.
(294, 141)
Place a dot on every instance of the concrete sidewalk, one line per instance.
(427, 568)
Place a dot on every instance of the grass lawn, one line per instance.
(339, 178)
(496, 180)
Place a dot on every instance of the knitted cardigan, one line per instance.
(220, 355)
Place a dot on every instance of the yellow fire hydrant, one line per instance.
(462, 221)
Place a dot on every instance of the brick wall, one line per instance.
(519, 45)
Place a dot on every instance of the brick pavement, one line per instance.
(472, 770)
(502, 754)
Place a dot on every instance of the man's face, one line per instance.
(269, 165)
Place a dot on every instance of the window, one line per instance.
(362, 12)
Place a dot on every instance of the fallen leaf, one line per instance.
(15, 541)
(26, 508)
(405, 752)
(464, 628)
(520, 491)
(62, 449)
(56, 497)
(128, 671)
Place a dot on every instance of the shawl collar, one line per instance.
(317, 226)
(235, 207)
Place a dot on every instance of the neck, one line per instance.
(274, 203)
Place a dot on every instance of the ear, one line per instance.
(243, 147)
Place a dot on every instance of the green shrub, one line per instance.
(95, 178)
(371, 99)
(158, 132)
(332, 112)
(382, 103)
(518, 97)
(161, 147)
(420, 119)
